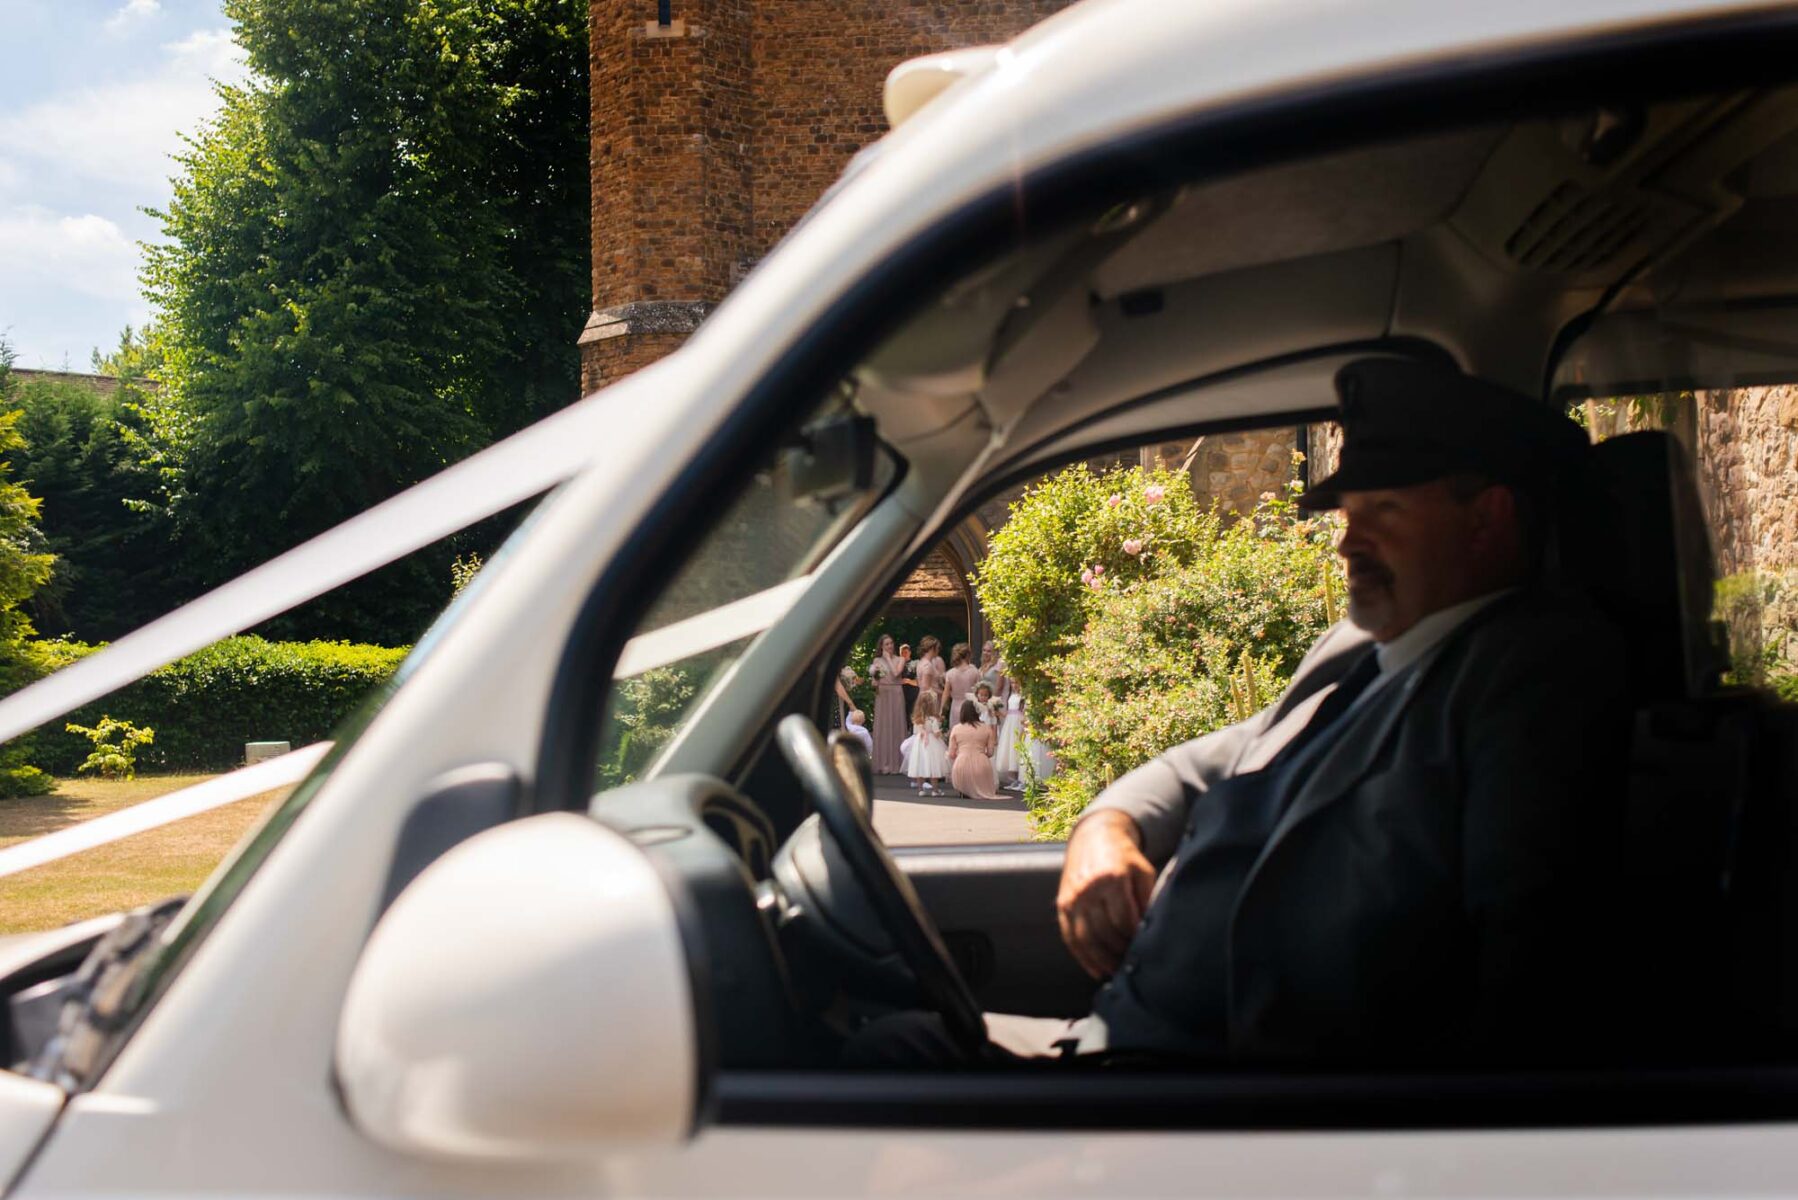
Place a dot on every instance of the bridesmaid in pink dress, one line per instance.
(888, 669)
(931, 671)
(959, 679)
(971, 756)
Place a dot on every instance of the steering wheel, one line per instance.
(887, 889)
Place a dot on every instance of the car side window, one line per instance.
(1085, 620)
(740, 578)
(1730, 438)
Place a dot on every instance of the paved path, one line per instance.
(904, 818)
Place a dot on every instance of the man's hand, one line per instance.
(1105, 886)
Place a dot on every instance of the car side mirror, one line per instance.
(527, 996)
(856, 766)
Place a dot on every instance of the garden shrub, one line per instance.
(1067, 542)
(1759, 609)
(1133, 619)
(1170, 658)
(115, 743)
(18, 778)
(206, 706)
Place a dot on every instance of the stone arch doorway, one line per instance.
(938, 588)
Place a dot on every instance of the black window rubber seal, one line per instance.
(1683, 57)
(1062, 1097)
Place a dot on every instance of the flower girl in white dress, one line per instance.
(1005, 758)
(928, 760)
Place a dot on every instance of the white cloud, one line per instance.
(210, 51)
(123, 133)
(87, 253)
(133, 12)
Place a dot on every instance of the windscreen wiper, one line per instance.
(94, 1004)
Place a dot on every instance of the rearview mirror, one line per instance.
(528, 996)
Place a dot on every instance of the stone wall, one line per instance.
(1235, 470)
(103, 385)
(1230, 470)
(1748, 471)
(1747, 443)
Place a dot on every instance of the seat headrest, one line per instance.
(1652, 567)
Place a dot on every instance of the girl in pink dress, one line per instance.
(971, 756)
(959, 680)
(887, 670)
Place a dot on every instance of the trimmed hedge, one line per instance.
(206, 706)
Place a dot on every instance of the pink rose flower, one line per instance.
(1132, 546)
(1154, 494)
(1098, 570)
(1113, 500)
(1095, 583)
(1086, 576)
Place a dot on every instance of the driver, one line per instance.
(1403, 859)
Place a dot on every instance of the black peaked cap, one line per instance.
(1406, 422)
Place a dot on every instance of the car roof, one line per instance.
(1102, 71)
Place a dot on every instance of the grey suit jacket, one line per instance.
(1434, 888)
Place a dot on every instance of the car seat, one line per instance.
(1708, 897)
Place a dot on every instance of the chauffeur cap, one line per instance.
(1406, 422)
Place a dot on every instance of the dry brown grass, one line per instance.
(142, 868)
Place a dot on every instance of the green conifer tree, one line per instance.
(24, 567)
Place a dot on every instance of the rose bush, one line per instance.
(1071, 541)
(1135, 620)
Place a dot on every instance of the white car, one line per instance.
(458, 961)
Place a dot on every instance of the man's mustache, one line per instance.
(1364, 569)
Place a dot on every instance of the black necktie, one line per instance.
(1347, 690)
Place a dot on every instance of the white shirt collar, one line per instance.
(1415, 642)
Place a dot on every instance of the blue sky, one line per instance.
(94, 98)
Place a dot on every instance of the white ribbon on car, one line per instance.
(202, 797)
(709, 630)
(524, 465)
(527, 463)
(658, 648)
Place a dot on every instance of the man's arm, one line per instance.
(1133, 828)
(1125, 836)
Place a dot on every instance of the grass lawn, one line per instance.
(145, 867)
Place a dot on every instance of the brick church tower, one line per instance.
(717, 123)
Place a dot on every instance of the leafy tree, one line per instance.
(25, 566)
(644, 712)
(376, 263)
(117, 568)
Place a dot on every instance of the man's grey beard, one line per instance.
(1364, 616)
